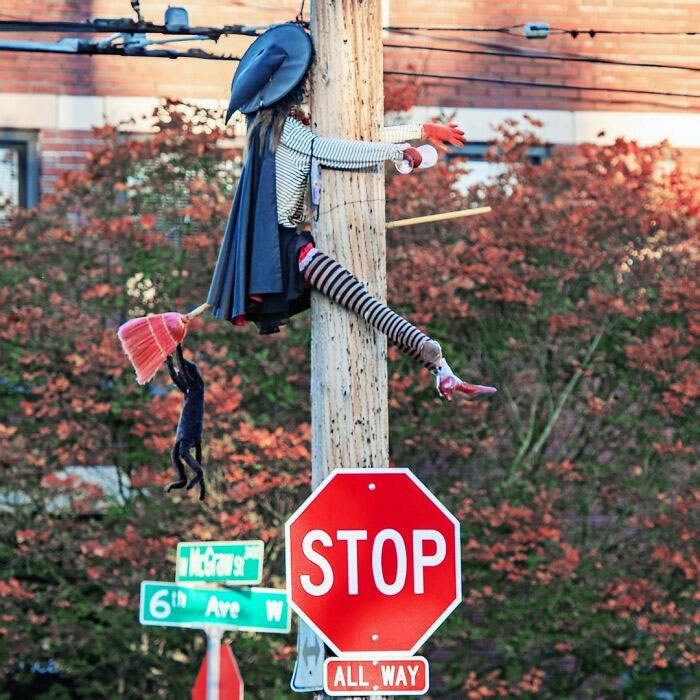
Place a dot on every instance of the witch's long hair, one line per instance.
(271, 119)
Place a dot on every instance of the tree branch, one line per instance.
(568, 390)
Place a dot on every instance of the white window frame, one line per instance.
(26, 144)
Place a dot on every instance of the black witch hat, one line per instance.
(274, 64)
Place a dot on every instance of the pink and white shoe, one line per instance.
(448, 382)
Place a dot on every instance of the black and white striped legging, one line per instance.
(337, 283)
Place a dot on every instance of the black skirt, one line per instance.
(273, 310)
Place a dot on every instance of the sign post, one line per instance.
(214, 635)
(230, 681)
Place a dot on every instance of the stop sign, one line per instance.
(373, 562)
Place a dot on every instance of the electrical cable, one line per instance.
(494, 45)
(88, 49)
(92, 49)
(127, 26)
(552, 30)
(544, 57)
(130, 25)
(525, 83)
(499, 30)
(619, 32)
(656, 104)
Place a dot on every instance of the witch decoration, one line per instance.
(266, 267)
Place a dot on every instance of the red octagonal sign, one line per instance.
(373, 562)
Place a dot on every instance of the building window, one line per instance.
(482, 171)
(19, 167)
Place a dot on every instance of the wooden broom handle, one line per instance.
(437, 217)
(196, 312)
(391, 224)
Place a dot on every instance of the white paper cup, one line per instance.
(428, 154)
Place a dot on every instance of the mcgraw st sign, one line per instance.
(229, 562)
(252, 609)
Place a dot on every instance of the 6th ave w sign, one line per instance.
(176, 605)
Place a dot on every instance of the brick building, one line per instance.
(49, 102)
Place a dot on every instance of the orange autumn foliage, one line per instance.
(576, 485)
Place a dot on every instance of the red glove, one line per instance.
(444, 134)
(413, 156)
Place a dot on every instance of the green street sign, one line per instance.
(208, 562)
(175, 605)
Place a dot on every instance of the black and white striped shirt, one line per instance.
(293, 160)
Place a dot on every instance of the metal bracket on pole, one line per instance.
(136, 6)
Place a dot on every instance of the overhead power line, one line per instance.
(620, 32)
(553, 30)
(543, 56)
(85, 48)
(133, 46)
(127, 26)
(525, 83)
(499, 30)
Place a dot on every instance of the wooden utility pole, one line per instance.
(349, 415)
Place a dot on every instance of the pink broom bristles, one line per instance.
(147, 341)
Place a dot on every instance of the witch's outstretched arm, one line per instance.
(339, 153)
(345, 154)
